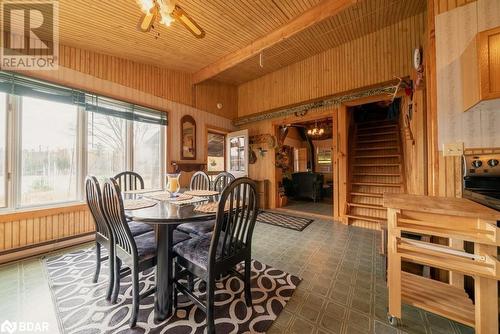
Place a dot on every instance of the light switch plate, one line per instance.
(453, 149)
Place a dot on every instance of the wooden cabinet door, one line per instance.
(489, 63)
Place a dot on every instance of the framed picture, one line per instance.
(188, 138)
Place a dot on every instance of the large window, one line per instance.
(215, 152)
(147, 153)
(48, 151)
(107, 143)
(53, 137)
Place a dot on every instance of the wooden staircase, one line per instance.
(376, 167)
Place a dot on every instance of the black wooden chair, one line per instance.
(129, 181)
(212, 255)
(220, 183)
(103, 234)
(199, 181)
(138, 253)
(222, 180)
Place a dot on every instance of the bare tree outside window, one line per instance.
(106, 145)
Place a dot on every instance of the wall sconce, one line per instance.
(262, 151)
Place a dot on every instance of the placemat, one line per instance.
(201, 192)
(189, 201)
(140, 191)
(165, 196)
(211, 207)
(135, 204)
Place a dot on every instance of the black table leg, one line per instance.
(164, 288)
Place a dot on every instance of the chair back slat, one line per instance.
(234, 227)
(114, 212)
(222, 180)
(93, 197)
(129, 180)
(199, 181)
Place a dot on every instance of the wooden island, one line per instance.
(458, 220)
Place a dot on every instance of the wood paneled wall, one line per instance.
(22, 231)
(414, 144)
(209, 93)
(158, 81)
(154, 80)
(369, 60)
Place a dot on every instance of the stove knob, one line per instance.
(493, 162)
(477, 163)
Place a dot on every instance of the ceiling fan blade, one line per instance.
(146, 22)
(180, 15)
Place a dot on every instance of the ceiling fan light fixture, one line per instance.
(146, 5)
(166, 19)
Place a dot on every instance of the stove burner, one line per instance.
(481, 182)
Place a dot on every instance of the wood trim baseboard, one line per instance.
(46, 247)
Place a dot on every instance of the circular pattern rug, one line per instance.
(81, 306)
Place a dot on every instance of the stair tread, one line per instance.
(368, 206)
(367, 218)
(367, 194)
(375, 141)
(376, 165)
(377, 133)
(382, 122)
(378, 184)
(378, 127)
(377, 156)
(376, 148)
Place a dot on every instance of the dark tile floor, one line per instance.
(320, 208)
(343, 288)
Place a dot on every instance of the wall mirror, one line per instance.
(188, 138)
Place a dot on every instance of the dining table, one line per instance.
(165, 215)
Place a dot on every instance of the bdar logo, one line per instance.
(8, 327)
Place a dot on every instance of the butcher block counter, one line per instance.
(458, 220)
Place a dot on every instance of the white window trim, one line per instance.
(13, 156)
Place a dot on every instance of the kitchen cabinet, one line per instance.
(480, 67)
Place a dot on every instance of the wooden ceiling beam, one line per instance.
(324, 10)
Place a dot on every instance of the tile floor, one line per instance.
(319, 208)
(343, 288)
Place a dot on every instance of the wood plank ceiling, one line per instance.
(110, 27)
(361, 19)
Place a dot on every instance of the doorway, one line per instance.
(306, 163)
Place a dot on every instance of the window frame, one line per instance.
(218, 131)
(13, 156)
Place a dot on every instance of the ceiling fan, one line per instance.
(166, 11)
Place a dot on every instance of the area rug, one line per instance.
(81, 306)
(286, 221)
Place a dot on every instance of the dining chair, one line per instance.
(222, 180)
(212, 255)
(129, 180)
(103, 234)
(137, 252)
(199, 181)
(103, 231)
